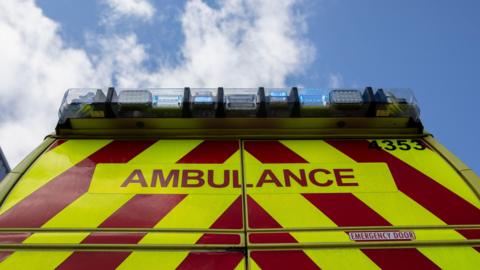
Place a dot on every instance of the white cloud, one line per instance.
(241, 43)
(36, 68)
(140, 9)
(335, 80)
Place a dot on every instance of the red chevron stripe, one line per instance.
(232, 218)
(443, 203)
(50, 199)
(94, 260)
(211, 261)
(142, 211)
(4, 255)
(219, 239)
(272, 152)
(211, 152)
(398, 259)
(258, 218)
(283, 259)
(113, 238)
(346, 210)
(269, 238)
(9, 238)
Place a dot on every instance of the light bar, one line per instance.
(237, 102)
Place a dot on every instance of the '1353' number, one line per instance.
(391, 145)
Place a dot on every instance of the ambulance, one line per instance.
(220, 178)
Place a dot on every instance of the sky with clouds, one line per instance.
(431, 46)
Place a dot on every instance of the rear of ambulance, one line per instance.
(240, 179)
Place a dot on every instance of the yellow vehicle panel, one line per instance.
(142, 204)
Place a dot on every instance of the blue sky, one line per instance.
(432, 47)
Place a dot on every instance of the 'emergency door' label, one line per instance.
(227, 179)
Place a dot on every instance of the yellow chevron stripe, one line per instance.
(42, 259)
(170, 238)
(194, 212)
(250, 160)
(452, 257)
(50, 165)
(39, 260)
(241, 265)
(56, 238)
(165, 151)
(234, 160)
(252, 265)
(153, 260)
(399, 209)
(344, 258)
(434, 166)
(281, 207)
(159, 260)
(317, 151)
(88, 211)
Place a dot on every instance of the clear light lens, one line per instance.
(396, 103)
(164, 101)
(347, 96)
(241, 102)
(135, 98)
(82, 103)
(167, 102)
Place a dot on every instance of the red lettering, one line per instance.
(302, 179)
(312, 178)
(268, 177)
(158, 174)
(192, 178)
(226, 179)
(339, 177)
(236, 182)
(131, 179)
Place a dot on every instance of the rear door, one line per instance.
(389, 203)
(124, 204)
